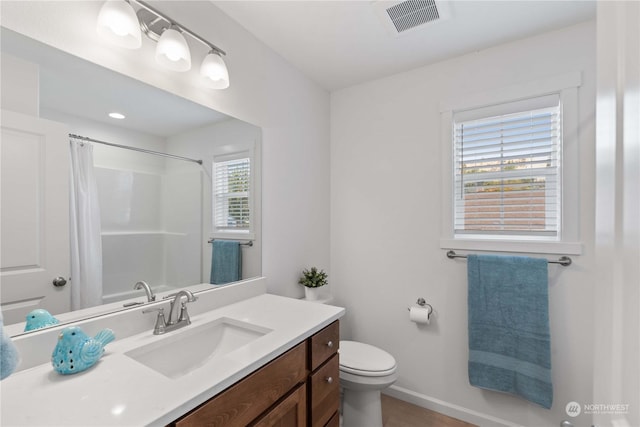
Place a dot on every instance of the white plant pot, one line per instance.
(312, 293)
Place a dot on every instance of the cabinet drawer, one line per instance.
(244, 401)
(324, 344)
(325, 392)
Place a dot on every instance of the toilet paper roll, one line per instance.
(419, 314)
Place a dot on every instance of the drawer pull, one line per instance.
(330, 344)
(329, 380)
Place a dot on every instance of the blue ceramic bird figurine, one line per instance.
(9, 356)
(76, 351)
(39, 318)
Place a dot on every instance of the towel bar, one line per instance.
(564, 261)
(247, 243)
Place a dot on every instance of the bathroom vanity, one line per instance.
(300, 385)
(248, 358)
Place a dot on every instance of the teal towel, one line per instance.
(509, 341)
(226, 262)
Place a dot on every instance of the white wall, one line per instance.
(292, 111)
(385, 225)
(20, 85)
(617, 343)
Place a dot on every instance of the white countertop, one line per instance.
(120, 391)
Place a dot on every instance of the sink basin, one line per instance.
(187, 349)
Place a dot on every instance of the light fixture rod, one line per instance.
(182, 27)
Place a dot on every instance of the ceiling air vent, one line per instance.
(401, 16)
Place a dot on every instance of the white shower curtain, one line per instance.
(86, 240)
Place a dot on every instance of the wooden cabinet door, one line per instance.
(291, 412)
(34, 157)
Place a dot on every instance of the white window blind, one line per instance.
(231, 188)
(507, 170)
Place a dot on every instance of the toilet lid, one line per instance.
(364, 359)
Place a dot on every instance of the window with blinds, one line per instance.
(231, 194)
(507, 171)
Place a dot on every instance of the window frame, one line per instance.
(567, 242)
(227, 153)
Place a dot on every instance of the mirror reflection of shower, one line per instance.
(151, 221)
(155, 211)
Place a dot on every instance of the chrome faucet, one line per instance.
(147, 289)
(175, 321)
(173, 310)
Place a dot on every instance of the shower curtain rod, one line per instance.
(142, 150)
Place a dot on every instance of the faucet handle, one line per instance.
(161, 323)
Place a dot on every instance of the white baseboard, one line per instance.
(448, 409)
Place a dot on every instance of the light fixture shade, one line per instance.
(172, 51)
(214, 71)
(118, 23)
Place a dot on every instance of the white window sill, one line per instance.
(520, 246)
(234, 235)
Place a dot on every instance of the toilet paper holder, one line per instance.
(423, 303)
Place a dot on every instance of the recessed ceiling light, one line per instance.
(116, 115)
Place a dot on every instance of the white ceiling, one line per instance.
(343, 43)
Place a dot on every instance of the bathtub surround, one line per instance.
(386, 140)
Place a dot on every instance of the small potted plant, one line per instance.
(313, 279)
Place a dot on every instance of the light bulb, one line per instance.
(118, 23)
(214, 71)
(172, 50)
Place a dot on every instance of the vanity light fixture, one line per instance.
(172, 50)
(214, 71)
(118, 23)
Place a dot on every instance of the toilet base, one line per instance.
(361, 408)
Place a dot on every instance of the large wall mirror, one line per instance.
(156, 213)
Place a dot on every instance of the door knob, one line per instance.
(59, 282)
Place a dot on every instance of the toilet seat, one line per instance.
(365, 360)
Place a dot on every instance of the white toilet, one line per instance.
(364, 371)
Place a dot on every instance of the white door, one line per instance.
(34, 216)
